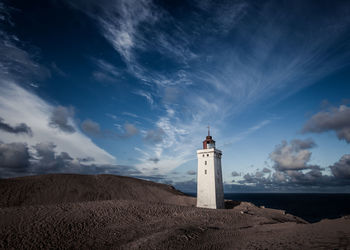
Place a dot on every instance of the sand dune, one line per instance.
(35, 220)
(58, 188)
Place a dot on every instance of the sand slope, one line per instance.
(139, 224)
(58, 188)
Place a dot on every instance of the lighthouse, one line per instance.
(210, 192)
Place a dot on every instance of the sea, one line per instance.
(311, 207)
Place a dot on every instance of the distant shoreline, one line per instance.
(312, 207)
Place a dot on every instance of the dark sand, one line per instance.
(112, 212)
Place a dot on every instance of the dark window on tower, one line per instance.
(207, 154)
(205, 171)
(203, 155)
(205, 163)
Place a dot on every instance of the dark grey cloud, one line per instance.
(341, 169)
(14, 158)
(191, 172)
(302, 144)
(154, 160)
(333, 119)
(48, 161)
(91, 128)
(292, 156)
(155, 136)
(293, 180)
(129, 130)
(292, 172)
(234, 174)
(17, 160)
(291, 160)
(266, 170)
(60, 119)
(86, 159)
(21, 128)
(171, 94)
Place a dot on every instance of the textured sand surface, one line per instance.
(58, 188)
(137, 224)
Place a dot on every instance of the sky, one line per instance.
(128, 87)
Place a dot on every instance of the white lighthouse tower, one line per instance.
(210, 192)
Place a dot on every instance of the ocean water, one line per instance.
(311, 207)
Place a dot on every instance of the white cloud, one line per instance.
(19, 105)
(146, 95)
(293, 156)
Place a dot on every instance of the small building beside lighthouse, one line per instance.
(210, 193)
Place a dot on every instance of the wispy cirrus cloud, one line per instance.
(210, 75)
(106, 72)
(146, 95)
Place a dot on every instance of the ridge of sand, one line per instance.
(62, 188)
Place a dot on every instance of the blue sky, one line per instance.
(129, 87)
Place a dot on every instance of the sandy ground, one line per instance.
(139, 224)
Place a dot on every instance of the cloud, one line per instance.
(146, 95)
(243, 73)
(155, 160)
(93, 128)
(119, 21)
(235, 174)
(19, 104)
(292, 172)
(106, 72)
(154, 136)
(334, 119)
(57, 70)
(341, 169)
(90, 127)
(191, 172)
(130, 114)
(15, 62)
(19, 160)
(14, 158)
(247, 132)
(21, 128)
(223, 15)
(130, 130)
(61, 118)
(293, 156)
(266, 170)
(15, 101)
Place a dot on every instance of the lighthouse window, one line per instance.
(205, 163)
(207, 154)
(205, 171)
(203, 155)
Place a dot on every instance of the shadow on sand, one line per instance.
(230, 204)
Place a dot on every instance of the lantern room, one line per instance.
(208, 142)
